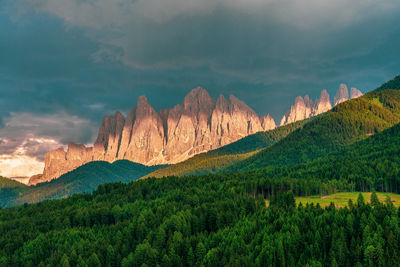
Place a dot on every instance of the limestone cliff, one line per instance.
(304, 108)
(341, 95)
(354, 93)
(169, 136)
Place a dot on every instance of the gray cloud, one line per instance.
(255, 39)
(70, 62)
(34, 135)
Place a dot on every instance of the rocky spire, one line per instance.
(268, 123)
(198, 101)
(301, 110)
(127, 133)
(342, 95)
(109, 137)
(354, 93)
(147, 137)
(323, 104)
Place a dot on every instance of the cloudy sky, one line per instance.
(64, 64)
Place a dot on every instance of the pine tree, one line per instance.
(360, 200)
(200, 253)
(110, 257)
(65, 261)
(94, 261)
(190, 257)
(374, 200)
(81, 262)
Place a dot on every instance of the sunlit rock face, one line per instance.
(342, 95)
(304, 108)
(268, 123)
(322, 104)
(354, 93)
(57, 162)
(169, 136)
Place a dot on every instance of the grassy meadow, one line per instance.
(341, 199)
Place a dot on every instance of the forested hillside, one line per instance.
(83, 179)
(347, 123)
(392, 84)
(214, 220)
(10, 190)
(215, 160)
(373, 163)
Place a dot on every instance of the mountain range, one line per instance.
(262, 200)
(170, 136)
(302, 142)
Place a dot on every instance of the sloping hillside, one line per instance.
(347, 123)
(215, 160)
(392, 84)
(83, 179)
(10, 189)
(373, 163)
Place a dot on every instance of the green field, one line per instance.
(342, 199)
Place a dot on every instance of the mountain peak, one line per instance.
(268, 123)
(342, 94)
(324, 96)
(144, 108)
(323, 104)
(198, 91)
(142, 100)
(222, 103)
(299, 101)
(354, 93)
(118, 114)
(237, 102)
(198, 99)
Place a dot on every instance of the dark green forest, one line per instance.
(371, 164)
(214, 220)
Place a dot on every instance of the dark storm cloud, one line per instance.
(81, 60)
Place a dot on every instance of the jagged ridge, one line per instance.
(169, 136)
(304, 108)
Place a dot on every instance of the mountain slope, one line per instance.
(83, 179)
(392, 84)
(345, 124)
(372, 163)
(217, 159)
(10, 189)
